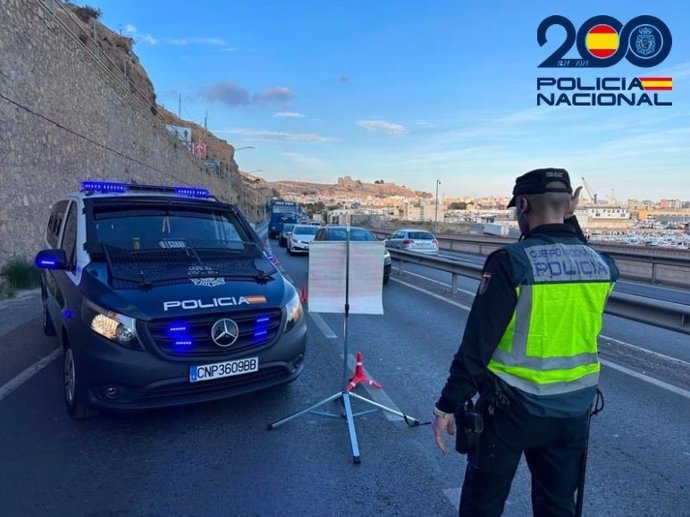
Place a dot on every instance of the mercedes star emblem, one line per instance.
(224, 332)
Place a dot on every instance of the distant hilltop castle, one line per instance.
(347, 181)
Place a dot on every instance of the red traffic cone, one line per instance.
(303, 295)
(360, 376)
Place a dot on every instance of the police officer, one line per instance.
(530, 351)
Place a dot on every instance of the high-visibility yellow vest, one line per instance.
(550, 344)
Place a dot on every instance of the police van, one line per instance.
(163, 296)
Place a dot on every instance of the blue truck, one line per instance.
(281, 212)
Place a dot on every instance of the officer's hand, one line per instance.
(441, 424)
(574, 200)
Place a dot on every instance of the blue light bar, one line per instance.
(261, 324)
(103, 186)
(178, 334)
(112, 186)
(192, 192)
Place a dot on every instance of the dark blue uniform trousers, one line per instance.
(553, 448)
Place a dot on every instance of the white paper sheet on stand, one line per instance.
(327, 277)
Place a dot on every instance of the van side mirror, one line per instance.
(51, 259)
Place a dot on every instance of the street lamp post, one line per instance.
(438, 182)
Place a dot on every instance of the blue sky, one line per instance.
(411, 91)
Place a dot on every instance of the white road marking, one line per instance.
(452, 302)
(453, 495)
(647, 378)
(426, 278)
(323, 326)
(645, 351)
(32, 370)
(376, 394)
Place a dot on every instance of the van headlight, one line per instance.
(115, 327)
(386, 256)
(294, 311)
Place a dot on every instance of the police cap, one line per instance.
(534, 182)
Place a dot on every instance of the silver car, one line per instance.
(300, 237)
(410, 239)
(284, 234)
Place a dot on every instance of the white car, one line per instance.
(301, 236)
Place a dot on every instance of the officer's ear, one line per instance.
(523, 205)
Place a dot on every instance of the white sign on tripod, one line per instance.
(328, 276)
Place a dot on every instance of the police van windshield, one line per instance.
(155, 226)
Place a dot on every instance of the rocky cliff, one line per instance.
(73, 108)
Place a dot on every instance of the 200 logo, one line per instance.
(602, 41)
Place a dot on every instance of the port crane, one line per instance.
(592, 197)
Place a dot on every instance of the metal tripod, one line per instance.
(343, 395)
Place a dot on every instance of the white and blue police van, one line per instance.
(162, 296)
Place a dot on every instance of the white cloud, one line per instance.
(274, 94)
(277, 135)
(288, 114)
(382, 126)
(228, 93)
(232, 94)
(133, 32)
(147, 38)
(183, 42)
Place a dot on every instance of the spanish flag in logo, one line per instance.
(602, 41)
(255, 299)
(657, 83)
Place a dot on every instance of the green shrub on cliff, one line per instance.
(20, 274)
(86, 13)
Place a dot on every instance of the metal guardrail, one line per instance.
(668, 315)
(668, 267)
(654, 269)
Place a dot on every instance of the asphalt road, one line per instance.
(218, 458)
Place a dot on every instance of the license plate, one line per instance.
(208, 372)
